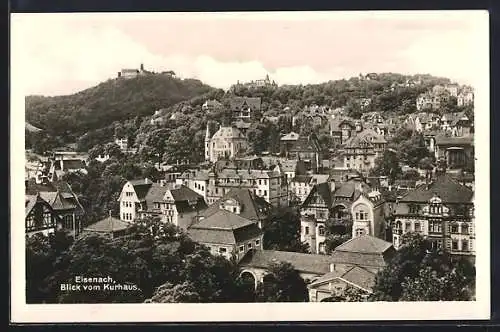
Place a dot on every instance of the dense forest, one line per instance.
(95, 108)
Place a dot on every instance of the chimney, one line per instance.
(332, 267)
(331, 184)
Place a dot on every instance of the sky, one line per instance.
(57, 54)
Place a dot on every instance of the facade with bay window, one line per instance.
(441, 211)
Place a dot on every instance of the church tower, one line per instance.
(207, 143)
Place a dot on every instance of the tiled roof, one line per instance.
(448, 189)
(108, 225)
(367, 136)
(464, 140)
(141, 187)
(318, 264)
(356, 275)
(365, 244)
(251, 207)
(72, 164)
(305, 144)
(228, 133)
(224, 227)
(237, 102)
(56, 201)
(242, 124)
(30, 202)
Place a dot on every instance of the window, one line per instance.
(407, 226)
(242, 248)
(260, 181)
(307, 230)
(360, 232)
(413, 209)
(249, 245)
(454, 229)
(465, 229)
(129, 194)
(265, 192)
(222, 250)
(417, 227)
(234, 209)
(435, 227)
(454, 245)
(465, 245)
(257, 243)
(321, 230)
(157, 205)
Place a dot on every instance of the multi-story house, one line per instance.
(196, 180)
(341, 129)
(290, 168)
(361, 151)
(63, 202)
(301, 185)
(122, 143)
(242, 202)
(442, 211)
(309, 150)
(457, 152)
(226, 143)
(458, 124)
(211, 105)
(329, 202)
(368, 215)
(227, 234)
(173, 203)
(39, 216)
(270, 185)
(465, 97)
(244, 108)
(287, 141)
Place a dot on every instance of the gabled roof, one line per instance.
(355, 275)
(228, 133)
(237, 102)
(141, 187)
(57, 201)
(224, 227)
(312, 263)
(366, 137)
(366, 260)
(305, 144)
(108, 225)
(447, 188)
(251, 207)
(452, 140)
(365, 244)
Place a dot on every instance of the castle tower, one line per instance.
(207, 142)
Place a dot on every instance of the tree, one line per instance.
(41, 252)
(387, 165)
(282, 284)
(418, 273)
(282, 231)
(180, 293)
(332, 241)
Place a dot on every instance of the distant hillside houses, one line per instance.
(266, 82)
(439, 94)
